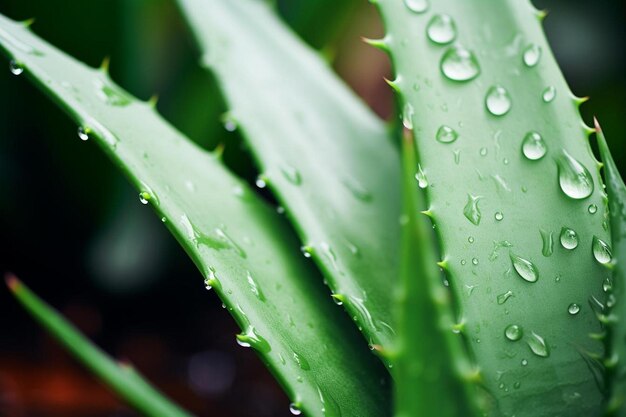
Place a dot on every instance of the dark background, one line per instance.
(75, 232)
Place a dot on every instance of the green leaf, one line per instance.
(327, 158)
(431, 370)
(245, 251)
(508, 166)
(121, 378)
(616, 368)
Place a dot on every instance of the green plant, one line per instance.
(507, 308)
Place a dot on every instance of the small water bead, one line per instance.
(574, 179)
(525, 269)
(445, 134)
(306, 251)
(607, 285)
(548, 243)
(514, 332)
(533, 146)
(524, 362)
(471, 209)
(483, 151)
(499, 216)
(295, 409)
(573, 309)
(502, 298)
(422, 182)
(548, 94)
(593, 209)
(260, 182)
(601, 251)
(15, 67)
(144, 197)
(83, 133)
(569, 238)
(407, 116)
(498, 100)
(474, 261)
(470, 239)
(531, 55)
(459, 64)
(538, 345)
(441, 29)
(417, 6)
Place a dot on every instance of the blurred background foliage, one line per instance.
(73, 229)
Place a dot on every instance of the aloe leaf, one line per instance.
(327, 158)
(245, 251)
(616, 351)
(433, 375)
(514, 193)
(121, 378)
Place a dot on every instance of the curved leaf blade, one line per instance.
(244, 250)
(327, 158)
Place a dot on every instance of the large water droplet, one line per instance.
(144, 197)
(422, 182)
(601, 251)
(301, 361)
(417, 6)
(445, 134)
(569, 238)
(531, 55)
(593, 209)
(502, 298)
(533, 146)
(252, 339)
(407, 115)
(514, 332)
(260, 182)
(441, 29)
(498, 100)
(548, 94)
(459, 64)
(548, 243)
(538, 345)
(471, 209)
(295, 409)
(254, 287)
(15, 67)
(573, 309)
(83, 133)
(575, 180)
(525, 268)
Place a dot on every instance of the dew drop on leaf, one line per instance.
(471, 211)
(111, 95)
(514, 332)
(601, 251)
(144, 197)
(445, 134)
(592, 209)
(538, 345)
(502, 298)
(422, 182)
(498, 100)
(459, 64)
(407, 116)
(533, 146)
(548, 242)
(260, 182)
(525, 269)
(417, 6)
(568, 238)
(574, 179)
(294, 409)
(573, 309)
(83, 133)
(441, 29)
(499, 216)
(15, 67)
(531, 55)
(548, 94)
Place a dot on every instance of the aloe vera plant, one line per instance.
(484, 268)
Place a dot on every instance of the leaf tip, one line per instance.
(104, 66)
(28, 22)
(380, 44)
(12, 282)
(152, 101)
(393, 84)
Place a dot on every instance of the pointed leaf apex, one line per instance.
(12, 281)
(443, 265)
(338, 297)
(104, 66)
(597, 125)
(377, 43)
(28, 22)
(580, 100)
(393, 84)
(152, 102)
(218, 152)
(542, 14)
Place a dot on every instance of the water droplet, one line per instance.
(538, 345)
(459, 64)
(295, 409)
(499, 216)
(407, 116)
(573, 309)
(417, 6)
(525, 268)
(514, 332)
(445, 134)
(306, 251)
(291, 174)
(569, 238)
(330, 255)
(533, 146)
(358, 190)
(607, 284)
(531, 55)
(574, 179)
(338, 299)
(111, 94)
(548, 243)
(548, 94)
(502, 298)
(15, 67)
(474, 261)
(593, 209)
(254, 287)
(601, 251)
(422, 182)
(524, 362)
(280, 210)
(330, 408)
(441, 29)
(457, 156)
(498, 101)
(252, 339)
(301, 361)
(144, 197)
(471, 209)
(260, 182)
(229, 122)
(470, 239)
(83, 133)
